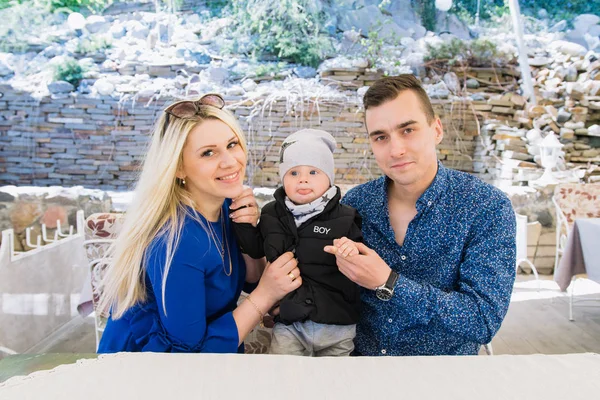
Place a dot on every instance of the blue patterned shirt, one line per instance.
(456, 266)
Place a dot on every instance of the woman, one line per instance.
(178, 271)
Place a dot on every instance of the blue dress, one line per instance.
(199, 297)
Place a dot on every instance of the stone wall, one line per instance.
(99, 142)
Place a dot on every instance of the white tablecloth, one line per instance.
(582, 253)
(238, 376)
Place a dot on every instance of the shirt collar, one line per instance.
(435, 190)
(427, 199)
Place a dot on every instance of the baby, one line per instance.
(319, 318)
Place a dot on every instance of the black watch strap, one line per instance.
(392, 279)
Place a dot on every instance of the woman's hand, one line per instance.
(279, 278)
(246, 208)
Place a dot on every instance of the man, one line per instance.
(438, 263)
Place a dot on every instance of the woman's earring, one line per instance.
(183, 181)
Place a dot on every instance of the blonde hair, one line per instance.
(157, 209)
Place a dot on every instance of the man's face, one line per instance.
(403, 142)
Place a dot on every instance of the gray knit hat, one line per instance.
(311, 147)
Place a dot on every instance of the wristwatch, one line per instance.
(386, 291)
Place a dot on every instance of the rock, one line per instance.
(60, 87)
(533, 135)
(558, 27)
(117, 31)
(452, 24)
(571, 74)
(151, 40)
(438, 91)
(137, 30)
(452, 82)
(563, 116)
(472, 83)
(5, 69)
(104, 87)
(539, 61)
(594, 130)
(593, 42)
(24, 214)
(352, 35)
(477, 97)
(54, 214)
(235, 91)
(370, 18)
(570, 48)
(6, 197)
(594, 30)
(249, 85)
(200, 57)
(584, 21)
(545, 218)
(215, 75)
(567, 134)
(96, 24)
(360, 63)
(305, 72)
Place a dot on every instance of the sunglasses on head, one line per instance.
(189, 108)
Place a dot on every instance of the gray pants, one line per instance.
(313, 339)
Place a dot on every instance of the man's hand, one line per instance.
(366, 268)
(246, 208)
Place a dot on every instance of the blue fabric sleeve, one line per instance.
(185, 321)
(476, 308)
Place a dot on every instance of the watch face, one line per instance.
(384, 294)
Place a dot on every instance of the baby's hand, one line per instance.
(345, 247)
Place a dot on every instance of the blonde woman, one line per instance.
(178, 271)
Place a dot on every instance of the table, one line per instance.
(581, 254)
(238, 376)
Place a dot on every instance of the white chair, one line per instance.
(521, 242)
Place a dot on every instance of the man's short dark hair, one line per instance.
(388, 88)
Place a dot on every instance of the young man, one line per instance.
(438, 260)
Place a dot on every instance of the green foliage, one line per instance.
(491, 9)
(474, 53)
(373, 45)
(69, 70)
(8, 3)
(22, 24)
(93, 44)
(288, 29)
(216, 7)
(426, 9)
(93, 6)
(270, 68)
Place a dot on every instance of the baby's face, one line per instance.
(304, 184)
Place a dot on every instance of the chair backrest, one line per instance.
(101, 230)
(577, 200)
(521, 236)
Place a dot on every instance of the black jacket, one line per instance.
(326, 295)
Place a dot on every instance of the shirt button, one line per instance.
(390, 320)
(383, 351)
(403, 257)
(429, 203)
